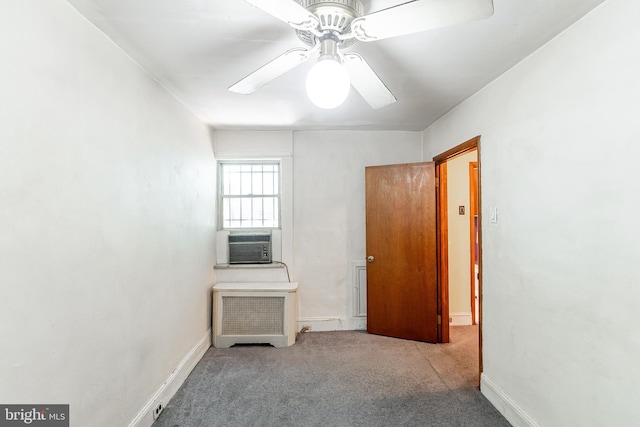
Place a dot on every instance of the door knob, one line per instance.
(370, 258)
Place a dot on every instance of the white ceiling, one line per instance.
(198, 48)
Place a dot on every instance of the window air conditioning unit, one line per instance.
(249, 248)
(254, 313)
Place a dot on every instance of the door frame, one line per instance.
(442, 238)
(473, 211)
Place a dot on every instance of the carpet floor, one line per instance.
(346, 378)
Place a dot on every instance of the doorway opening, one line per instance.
(408, 292)
(459, 257)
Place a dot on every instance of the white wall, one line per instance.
(459, 254)
(248, 145)
(559, 158)
(329, 215)
(324, 222)
(106, 221)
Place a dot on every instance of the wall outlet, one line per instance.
(157, 410)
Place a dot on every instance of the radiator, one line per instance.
(254, 313)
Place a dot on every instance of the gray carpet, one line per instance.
(336, 379)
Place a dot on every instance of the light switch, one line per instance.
(493, 215)
(460, 210)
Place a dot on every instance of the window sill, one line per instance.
(247, 266)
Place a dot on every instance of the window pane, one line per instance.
(257, 186)
(257, 183)
(245, 183)
(265, 203)
(257, 210)
(236, 210)
(246, 209)
(234, 183)
(225, 210)
(276, 183)
(267, 183)
(225, 181)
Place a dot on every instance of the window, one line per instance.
(249, 194)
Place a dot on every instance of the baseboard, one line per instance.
(460, 319)
(325, 324)
(171, 385)
(507, 407)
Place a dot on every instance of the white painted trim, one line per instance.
(503, 403)
(460, 319)
(359, 291)
(325, 324)
(171, 385)
(357, 323)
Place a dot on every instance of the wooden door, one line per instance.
(401, 251)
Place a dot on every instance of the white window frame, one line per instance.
(221, 196)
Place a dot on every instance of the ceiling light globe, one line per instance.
(328, 83)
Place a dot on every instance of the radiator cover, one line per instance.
(254, 313)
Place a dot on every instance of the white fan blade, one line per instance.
(290, 12)
(271, 70)
(367, 82)
(417, 16)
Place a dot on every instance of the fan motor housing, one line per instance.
(334, 16)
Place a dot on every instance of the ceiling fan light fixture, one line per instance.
(328, 83)
(330, 25)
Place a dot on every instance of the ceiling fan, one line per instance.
(328, 26)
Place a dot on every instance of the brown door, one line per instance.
(401, 251)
